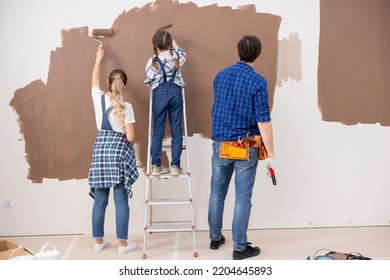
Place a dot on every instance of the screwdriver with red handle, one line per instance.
(272, 173)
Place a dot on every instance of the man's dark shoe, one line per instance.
(247, 253)
(214, 245)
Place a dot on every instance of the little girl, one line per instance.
(113, 160)
(163, 75)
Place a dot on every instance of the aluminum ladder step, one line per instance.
(168, 176)
(168, 201)
(167, 147)
(167, 227)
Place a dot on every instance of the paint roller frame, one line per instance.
(101, 33)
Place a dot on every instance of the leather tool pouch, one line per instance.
(262, 151)
(238, 150)
(256, 141)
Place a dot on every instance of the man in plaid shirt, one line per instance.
(240, 110)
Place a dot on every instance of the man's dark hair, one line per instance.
(249, 48)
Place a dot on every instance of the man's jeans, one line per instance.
(167, 99)
(122, 211)
(222, 171)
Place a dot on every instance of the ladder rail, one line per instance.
(149, 131)
(186, 131)
(189, 171)
(148, 182)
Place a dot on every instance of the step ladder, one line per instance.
(150, 225)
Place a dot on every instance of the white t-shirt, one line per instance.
(115, 123)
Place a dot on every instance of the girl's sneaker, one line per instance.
(157, 170)
(175, 171)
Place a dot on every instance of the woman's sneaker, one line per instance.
(157, 170)
(175, 171)
(131, 246)
(101, 246)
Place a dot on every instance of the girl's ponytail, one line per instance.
(117, 85)
(155, 51)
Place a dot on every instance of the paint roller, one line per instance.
(101, 33)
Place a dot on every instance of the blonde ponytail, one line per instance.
(117, 85)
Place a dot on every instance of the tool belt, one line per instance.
(239, 150)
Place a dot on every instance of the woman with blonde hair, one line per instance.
(113, 160)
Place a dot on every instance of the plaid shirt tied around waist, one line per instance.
(113, 161)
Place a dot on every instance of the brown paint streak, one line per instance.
(290, 59)
(354, 61)
(66, 128)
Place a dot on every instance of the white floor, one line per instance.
(278, 244)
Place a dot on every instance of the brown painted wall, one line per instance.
(354, 61)
(57, 119)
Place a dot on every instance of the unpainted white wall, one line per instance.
(330, 174)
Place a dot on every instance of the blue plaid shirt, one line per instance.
(113, 161)
(154, 77)
(240, 102)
